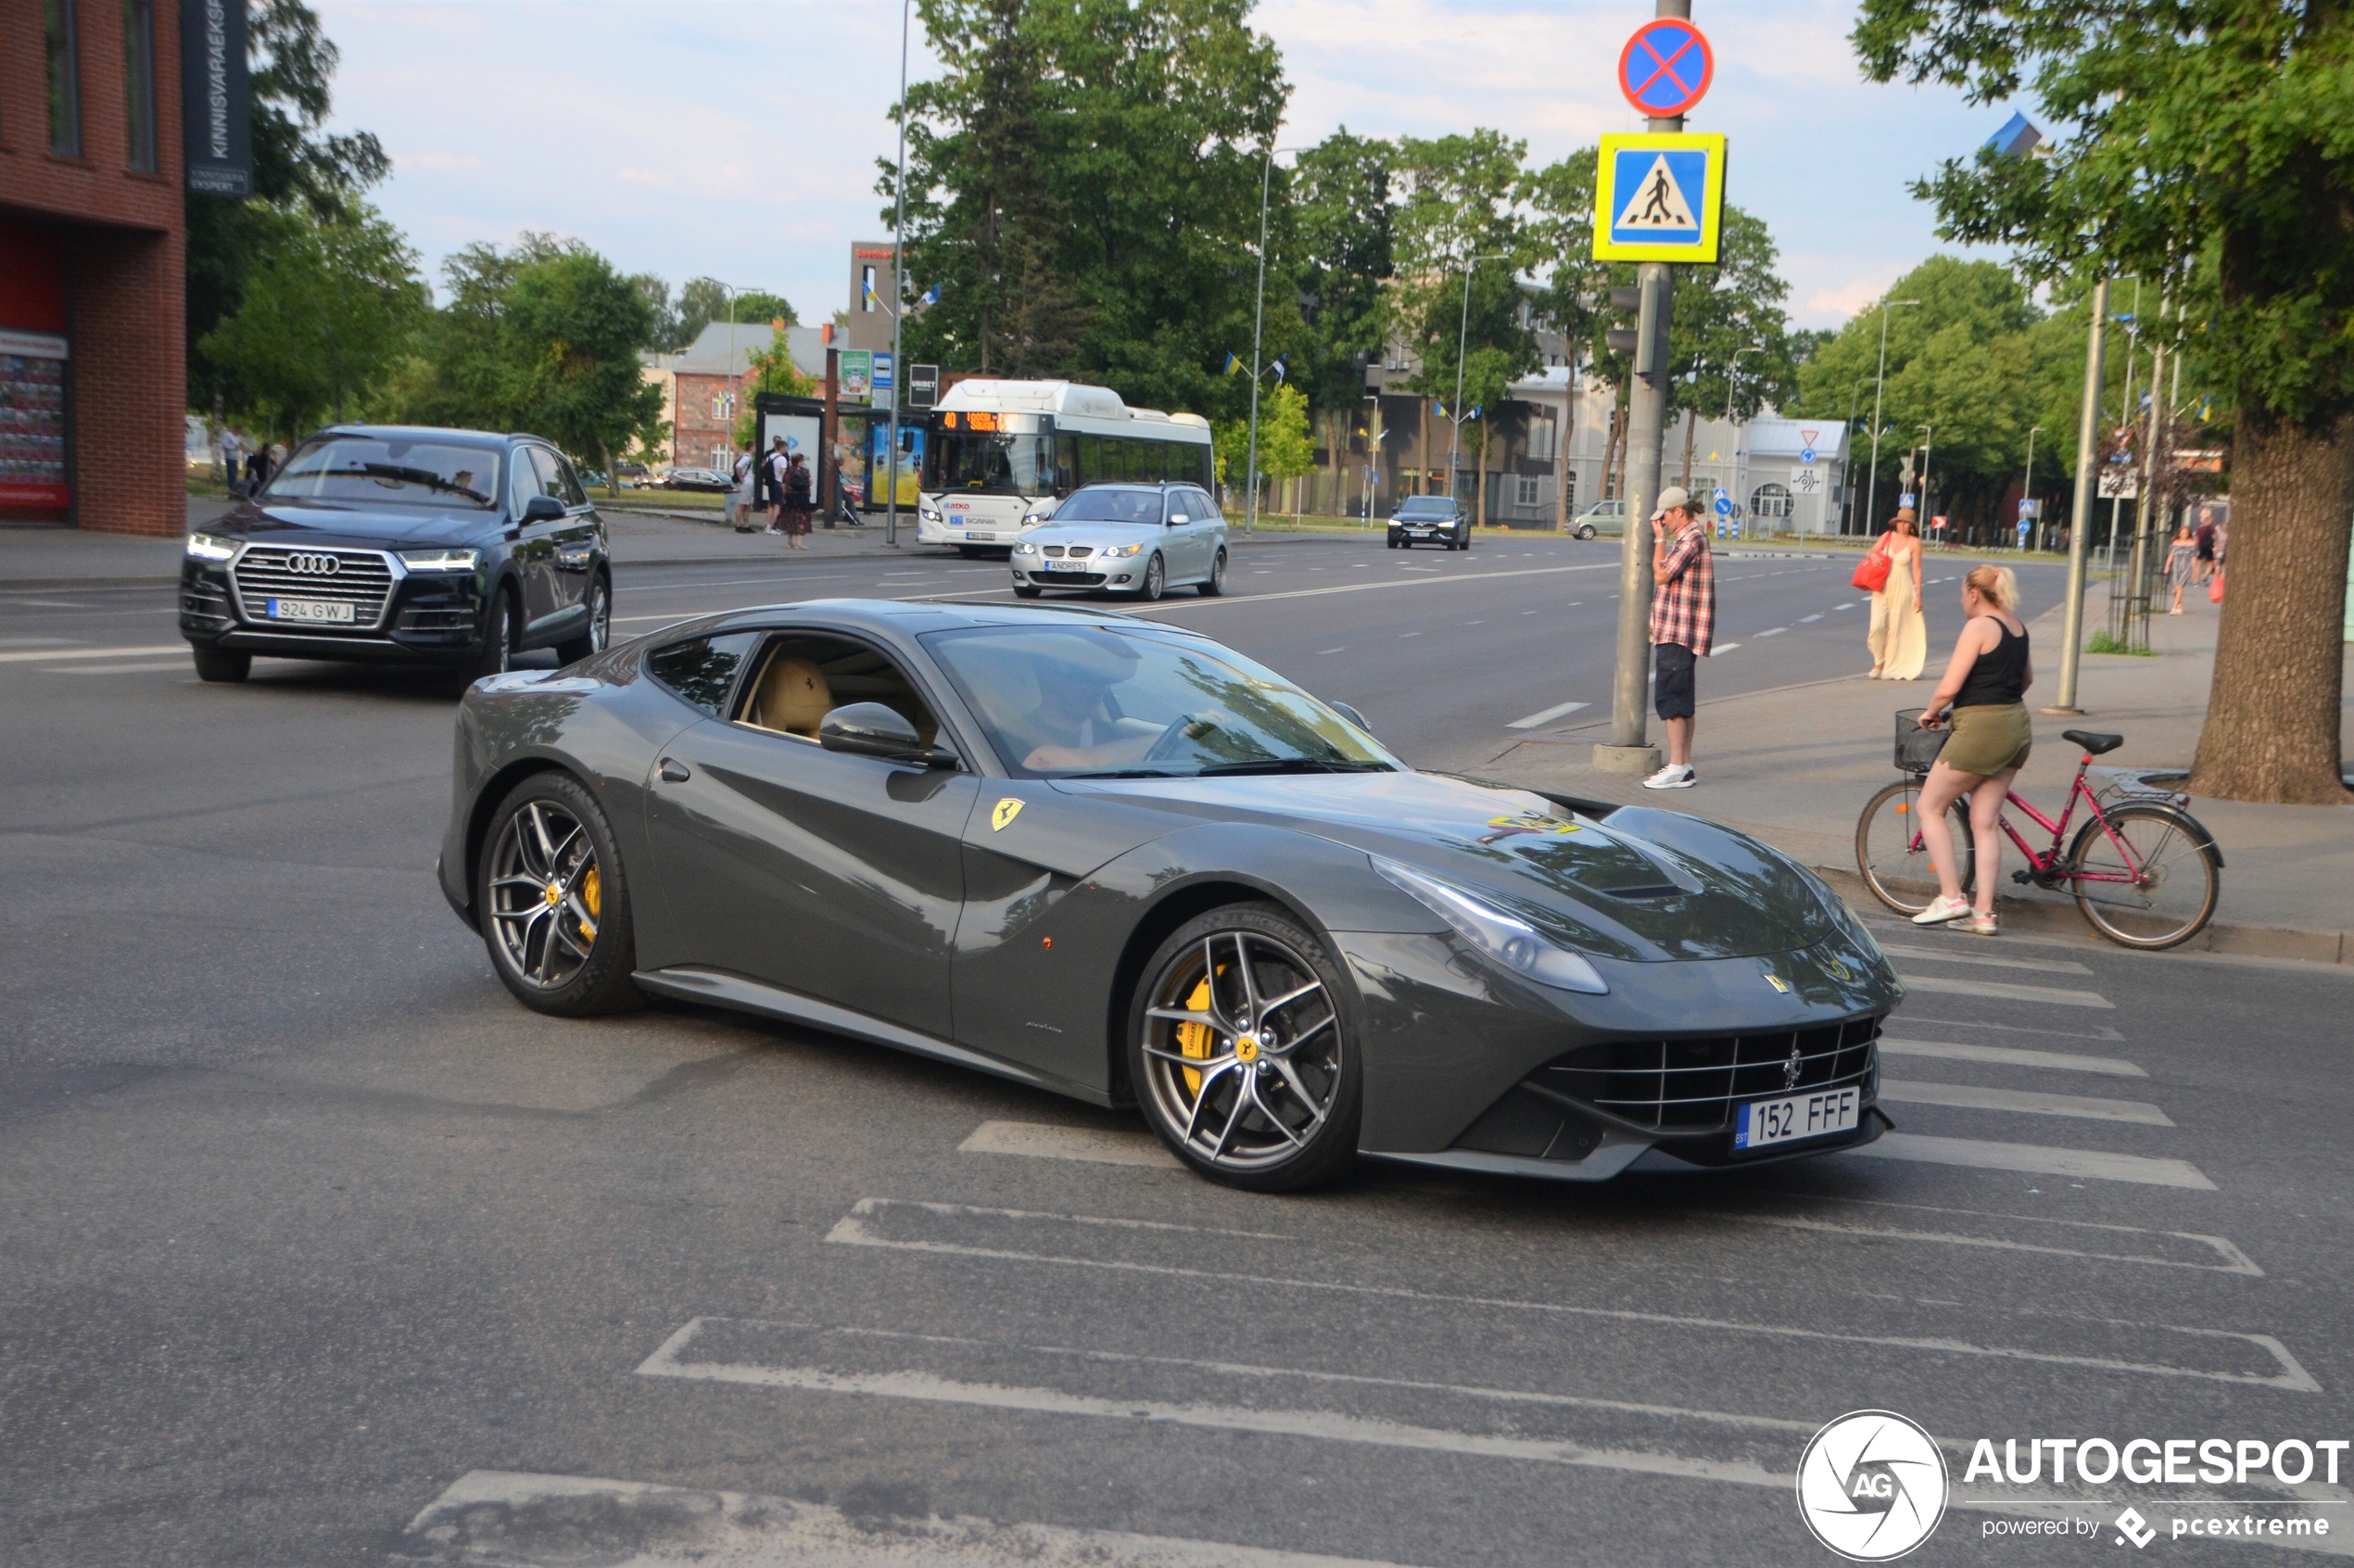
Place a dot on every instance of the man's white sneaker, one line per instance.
(1675, 776)
(1942, 910)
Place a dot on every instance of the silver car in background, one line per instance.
(1139, 538)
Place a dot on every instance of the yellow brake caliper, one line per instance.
(1193, 1039)
(591, 892)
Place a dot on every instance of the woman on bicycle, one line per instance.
(1984, 693)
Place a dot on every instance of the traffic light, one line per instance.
(1627, 302)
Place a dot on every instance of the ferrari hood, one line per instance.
(1635, 883)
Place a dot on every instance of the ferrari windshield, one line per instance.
(1111, 503)
(1093, 701)
(375, 469)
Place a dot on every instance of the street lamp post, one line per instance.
(2027, 484)
(1879, 386)
(1922, 515)
(1462, 341)
(898, 295)
(1258, 322)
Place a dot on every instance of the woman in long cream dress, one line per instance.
(1899, 638)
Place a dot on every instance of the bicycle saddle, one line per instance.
(2092, 740)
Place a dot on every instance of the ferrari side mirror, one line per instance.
(870, 729)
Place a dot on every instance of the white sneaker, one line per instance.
(1942, 910)
(1675, 776)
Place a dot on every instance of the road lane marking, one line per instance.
(2234, 1261)
(2025, 1101)
(1720, 648)
(54, 654)
(1809, 620)
(1039, 1140)
(1849, 605)
(2050, 966)
(1559, 711)
(1775, 632)
(2037, 1161)
(36, 642)
(852, 1230)
(528, 1520)
(1321, 652)
(2049, 996)
(2011, 1056)
(181, 664)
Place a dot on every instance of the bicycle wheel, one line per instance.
(1889, 852)
(2165, 893)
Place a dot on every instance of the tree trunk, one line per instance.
(2273, 714)
(1692, 428)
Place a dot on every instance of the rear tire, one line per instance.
(1215, 584)
(1288, 1117)
(1898, 874)
(550, 831)
(2183, 876)
(222, 665)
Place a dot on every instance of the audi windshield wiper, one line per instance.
(1294, 765)
(427, 477)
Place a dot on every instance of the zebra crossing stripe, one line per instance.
(2045, 996)
(2037, 1161)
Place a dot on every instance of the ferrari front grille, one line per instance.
(1691, 1085)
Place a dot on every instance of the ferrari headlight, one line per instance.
(440, 560)
(1508, 940)
(1120, 552)
(212, 546)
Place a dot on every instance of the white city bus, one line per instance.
(1000, 455)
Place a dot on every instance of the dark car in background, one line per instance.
(455, 548)
(1429, 519)
(707, 479)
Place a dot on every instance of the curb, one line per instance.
(63, 585)
(2034, 915)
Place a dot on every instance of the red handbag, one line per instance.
(1871, 573)
(2215, 587)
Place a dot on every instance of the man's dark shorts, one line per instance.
(1672, 682)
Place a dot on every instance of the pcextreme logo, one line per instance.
(1872, 1485)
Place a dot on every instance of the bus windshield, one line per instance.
(988, 463)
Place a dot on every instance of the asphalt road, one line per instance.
(317, 1249)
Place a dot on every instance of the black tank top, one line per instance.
(1999, 678)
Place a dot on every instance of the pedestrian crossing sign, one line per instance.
(1659, 197)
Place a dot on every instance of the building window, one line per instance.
(1770, 502)
(1525, 489)
(139, 81)
(65, 78)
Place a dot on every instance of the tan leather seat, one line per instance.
(792, 697)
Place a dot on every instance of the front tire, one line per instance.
(1893, 861)
(1587, 532)
(1242, 1054)
(2177, 886)
(1156, 580)
(555, 911)
(600, 633)
(498, 652)
(222, 665)
(1215, 584)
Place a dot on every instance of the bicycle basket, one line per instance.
(1915, 747)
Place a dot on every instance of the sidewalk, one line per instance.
(1794, 767)
(36, 557)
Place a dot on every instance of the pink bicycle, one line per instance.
(2144, 871)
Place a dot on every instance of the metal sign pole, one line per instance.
(1629, 751)
(2088, 432)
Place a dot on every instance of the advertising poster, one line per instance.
(32, 420)
(909, 468)
(856, 374)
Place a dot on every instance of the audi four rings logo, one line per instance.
(1872, 1485)
(314, 566)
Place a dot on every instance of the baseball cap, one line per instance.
(1673, 499)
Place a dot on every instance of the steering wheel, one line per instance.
(1164, 746)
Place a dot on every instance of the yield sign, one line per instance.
(1666, 68)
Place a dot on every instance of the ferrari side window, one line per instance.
(804, 675)
(701, 671)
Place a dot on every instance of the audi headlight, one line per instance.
(212, 546)
(1508, 940)
(440, 560)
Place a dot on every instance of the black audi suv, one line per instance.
(455, 548)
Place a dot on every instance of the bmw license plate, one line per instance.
(1761, 1122)
(1067, 565)
(310, 610)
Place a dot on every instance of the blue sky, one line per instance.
(736, 138)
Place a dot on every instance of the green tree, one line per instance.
(1340, 212)
(329, 307)
(296, 164)
(770, 370)
(1729, 339)
(1286, 448)
(2207, 143)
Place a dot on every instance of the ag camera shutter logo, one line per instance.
(1872, 1485)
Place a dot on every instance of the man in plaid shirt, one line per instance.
(1683, 621)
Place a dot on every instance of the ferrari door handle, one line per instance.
(674, 772)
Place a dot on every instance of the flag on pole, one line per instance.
(1440, 403)
(931, 296)
(1282, 362)
(1233, 364)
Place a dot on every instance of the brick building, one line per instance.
(92, 395)
(703, 388)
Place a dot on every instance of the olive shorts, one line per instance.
(1988, 737)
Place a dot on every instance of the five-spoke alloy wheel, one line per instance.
(1240, 1050)
(553, 908)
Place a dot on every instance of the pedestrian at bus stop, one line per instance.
(1683, 623)
(799, 491)
(740, 498)
(1983, 695)
(773, 463)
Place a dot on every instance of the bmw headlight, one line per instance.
(1031, 519)
(440, 560)
(1120, 552)
(1027, 546)
(1508, 940)
(212, 546)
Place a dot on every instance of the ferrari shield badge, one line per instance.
(1778, 984)
(1007, 809)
